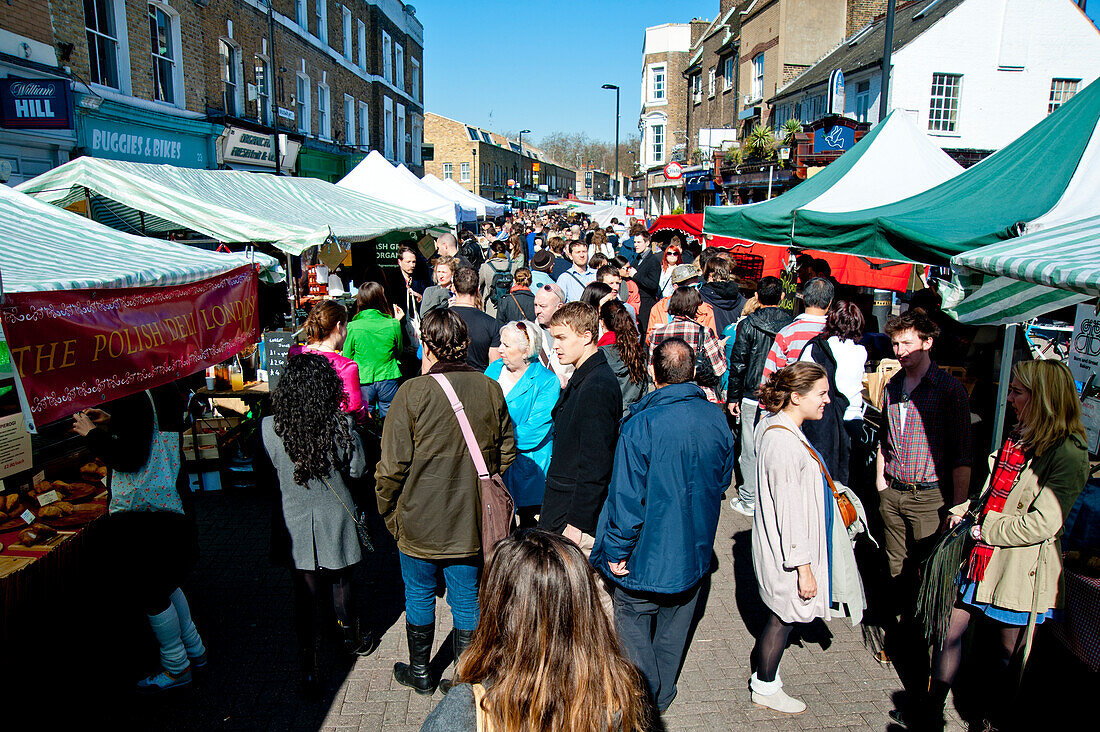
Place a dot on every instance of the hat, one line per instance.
(683, 272)
(543, 260)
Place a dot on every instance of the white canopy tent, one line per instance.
(485, 206)
(466, 210)
(375, 177)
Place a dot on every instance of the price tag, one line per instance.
(48, 497)
(38, 477)
(27, 516)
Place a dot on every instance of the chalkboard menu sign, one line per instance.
(277, 344)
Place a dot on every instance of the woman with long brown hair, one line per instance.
(622, 347)
(375, 341)
(326, 330)
(539, 594)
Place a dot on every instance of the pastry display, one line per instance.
(36, 533)
(56, 510)
(93, 471)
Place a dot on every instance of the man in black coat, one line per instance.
(586, 429)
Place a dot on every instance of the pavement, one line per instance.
(242, 604)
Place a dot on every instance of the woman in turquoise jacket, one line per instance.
(531, 391)
(374, 342)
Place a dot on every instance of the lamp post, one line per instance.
(521, 169)
(612, 86)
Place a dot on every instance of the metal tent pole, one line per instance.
(1007, 350)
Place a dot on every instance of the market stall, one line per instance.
(375, 177)
(449, 189)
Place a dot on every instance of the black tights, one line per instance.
(946, 661)
(307, 587)
(769, 647)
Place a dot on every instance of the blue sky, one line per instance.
(539, 65)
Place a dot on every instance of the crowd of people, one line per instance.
(621, 389)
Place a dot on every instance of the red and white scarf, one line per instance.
(1009, 464)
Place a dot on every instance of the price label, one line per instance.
(39, 477)
(48, 497)
(27, 516)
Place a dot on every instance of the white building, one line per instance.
(976, 74)
(662, 123)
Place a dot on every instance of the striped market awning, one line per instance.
(226, 205)
(1020, 279)
(44, 248)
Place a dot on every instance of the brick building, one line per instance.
(338, 77)
(483, 162)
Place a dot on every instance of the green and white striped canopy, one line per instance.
(43, 247)
(1022, 278)
(226, 205)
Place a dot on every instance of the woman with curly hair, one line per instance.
(312, 445)
(622, 347)
(539, 593)
(428, 489)
(326, 330)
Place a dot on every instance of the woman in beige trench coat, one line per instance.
(789, 536)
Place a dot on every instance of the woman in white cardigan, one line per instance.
(792, 524)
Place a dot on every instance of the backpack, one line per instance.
(704, 370)
(501, 284)
(472, 252)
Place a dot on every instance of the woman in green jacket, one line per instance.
(1012, 577)
(374, 342)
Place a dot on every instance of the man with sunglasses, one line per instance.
(548, 300)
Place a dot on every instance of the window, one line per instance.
(658, 143)
(863, 100)
(387, 129)
(399, 66)
(301, 104)
(162, 30)
(349, 120)
(362, 45)
(657, 83)
(780, 116)
(387, 57)
(415, 80)
(710, 81)
(1061, 91)
(301, 14)
(320, 14)
(99, 22)
(230, 83)
(943, 110)
(697, 88)
(485, 138)
(758, 76)
(263, 91)
(464, 173)
(417, 138)
(472, 134)
(402, 138)
(345, 16)
(448, 171)
(728, 73)
(324, 118)
(364, 125)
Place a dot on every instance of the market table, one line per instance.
(1080, 629)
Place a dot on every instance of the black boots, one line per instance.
(356, 642)
(461, 641)
(310, 669)
(926, 713)
(415, 674)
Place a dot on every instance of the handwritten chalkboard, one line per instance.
(276, 345)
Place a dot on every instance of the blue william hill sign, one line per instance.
(833, 139)
(35, 104)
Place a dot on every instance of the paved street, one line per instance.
(243, 606)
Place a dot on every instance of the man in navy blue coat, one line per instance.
(655, 535)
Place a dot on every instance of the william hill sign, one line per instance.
(35, 104)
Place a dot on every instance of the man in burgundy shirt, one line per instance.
(923, 464)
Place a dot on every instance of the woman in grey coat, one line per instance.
(312, 445)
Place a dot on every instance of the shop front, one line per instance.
(699, 191)
(36, 119)
(327, 164)
(117, 131)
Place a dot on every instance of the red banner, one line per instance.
(80, 348)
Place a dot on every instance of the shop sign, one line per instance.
(41, 104)
(674, 171)
(285, 113)
(75, 349)
(254, 148)
(835, 139)
(104, 138)
(836, 92)
(15, 445)
(1084, 347)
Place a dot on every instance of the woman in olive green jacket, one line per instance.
(375, 342)
(1012, 578)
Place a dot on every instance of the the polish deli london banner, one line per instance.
(80, 348)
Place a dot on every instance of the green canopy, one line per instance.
(228, 206)
(982, 205)
(1022, 278)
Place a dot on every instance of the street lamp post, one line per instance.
(612, 86)
(521, 169)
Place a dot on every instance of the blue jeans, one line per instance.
(460, 576)
(380, 393)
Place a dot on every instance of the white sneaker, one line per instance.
(780, 702)
(737, 505)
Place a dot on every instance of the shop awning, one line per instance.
(1022, 278)
(228, 206)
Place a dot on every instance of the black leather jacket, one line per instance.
(755, 335)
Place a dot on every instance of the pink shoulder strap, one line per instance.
(464, 423)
